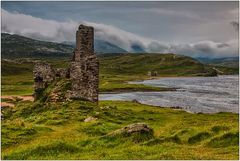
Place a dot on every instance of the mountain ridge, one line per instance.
(17, 46)
(232, 62)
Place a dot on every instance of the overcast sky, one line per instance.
(206, 29)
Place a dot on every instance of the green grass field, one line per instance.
(57, 131)
(48, 130)
(115, 71)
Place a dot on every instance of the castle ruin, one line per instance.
(83, 71)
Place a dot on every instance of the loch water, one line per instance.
(193, 94)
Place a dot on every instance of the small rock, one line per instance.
(133, 128)
(90, 119)
(104, 107)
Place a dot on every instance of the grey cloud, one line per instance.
(204, 47)
(51, 30)
(208, 49)
(37, 28)
(155, 46)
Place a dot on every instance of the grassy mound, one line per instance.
(198, 137)
(227, 139)
(217, 129)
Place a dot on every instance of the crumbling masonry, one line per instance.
(83, 70)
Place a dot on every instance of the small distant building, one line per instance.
(152, 73)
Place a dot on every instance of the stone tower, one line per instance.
(84, 68)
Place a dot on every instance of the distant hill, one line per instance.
(15, 46)
(114, 59)
(101, 46)
(232, 62)
(142, 63)
(137, 49)
(130, 64)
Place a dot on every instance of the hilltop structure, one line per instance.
(83, 71)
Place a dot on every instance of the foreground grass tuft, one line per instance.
(53, 149)
(227, 139)
(199, 137)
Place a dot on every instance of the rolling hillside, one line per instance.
(101, 46)
(231, 62)
(163, 64)
(126, 64)
(115, 61)
(15, 46)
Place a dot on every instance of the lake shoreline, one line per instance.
(196, 94)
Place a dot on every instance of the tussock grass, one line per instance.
(227, 139)
(58, 131)
(53, 149)
(217, 129)
(198, 137)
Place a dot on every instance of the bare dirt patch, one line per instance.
(14, 98)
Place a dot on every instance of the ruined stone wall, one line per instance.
(84, 69)
(62, 73)
(84, 76)
(43, 74)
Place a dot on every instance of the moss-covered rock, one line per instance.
(138, 131)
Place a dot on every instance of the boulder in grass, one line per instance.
(90, 119)
(139, 132)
